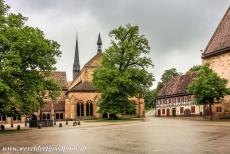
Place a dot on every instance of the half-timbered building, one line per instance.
(173, 98)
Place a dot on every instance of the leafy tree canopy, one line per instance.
(166, 76)
(150, 99)
(27, 59)
(208, 88)
(123, 71)
(194, 69)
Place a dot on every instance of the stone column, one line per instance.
(52, 112)
(84, 109)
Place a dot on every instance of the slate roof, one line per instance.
(220, 41)
(177, 86)
(83, 87)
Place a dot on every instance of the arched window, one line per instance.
(218, 109)
(89, 108)
(80, 109)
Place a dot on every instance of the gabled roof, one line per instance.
(177, 86)
(92, 59)
(60, 77)
(83, 87)
(220, 41)
(88, 64)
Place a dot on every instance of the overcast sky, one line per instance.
(176, 29)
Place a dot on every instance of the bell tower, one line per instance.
(76, 64)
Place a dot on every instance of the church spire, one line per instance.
(99, 43)
(76, 64)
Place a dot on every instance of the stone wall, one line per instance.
(74, 97)
(221, 65)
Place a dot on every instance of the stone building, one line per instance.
(82, 98)
(56, 110)
(217, 55)
(79, 99)
(173, 98)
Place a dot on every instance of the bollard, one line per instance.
(18, 127)
(79, 123)
(25, 124)
(60, 124)
(12, 125)
(2, 127)
(54, 122)
(74, 123)
(66, 122)
(39, 126)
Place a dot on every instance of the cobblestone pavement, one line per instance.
(154, 135)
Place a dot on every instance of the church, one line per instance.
(79, 99)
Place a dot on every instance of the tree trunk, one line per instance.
(210, 110)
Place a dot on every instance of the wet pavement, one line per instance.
(154, 135)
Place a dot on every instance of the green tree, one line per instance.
(166, 76)
(150, 99)
(27, 59)
(123, 72)
(194, 69)
(208, 88)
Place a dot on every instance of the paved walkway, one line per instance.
(155, 135)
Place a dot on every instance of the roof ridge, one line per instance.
(216, 31)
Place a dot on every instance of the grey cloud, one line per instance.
(177, 30)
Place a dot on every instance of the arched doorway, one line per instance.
(159, 113)
(168, 112)
(173, 112)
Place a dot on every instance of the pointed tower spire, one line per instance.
(76, 64)
(99, 43)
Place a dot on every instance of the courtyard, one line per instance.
(153, 135)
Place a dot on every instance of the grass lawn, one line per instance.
(119, 120)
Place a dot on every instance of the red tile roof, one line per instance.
(60, 106)
(176, 86)
(83, 87)
(220, 40)
(61, 78)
